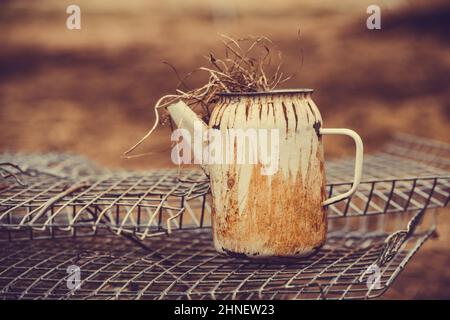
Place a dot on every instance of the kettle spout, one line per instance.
(185, 118)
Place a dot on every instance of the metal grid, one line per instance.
(185, 266)
(145, 206)
(54, 164)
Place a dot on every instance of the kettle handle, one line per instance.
(358, 162)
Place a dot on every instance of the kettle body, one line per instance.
(270, 215)
(261, 213)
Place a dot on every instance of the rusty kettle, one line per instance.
(282, 214)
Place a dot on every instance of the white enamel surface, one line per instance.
(185, 118)
(298, 143)
(276, 215)
(358, 162)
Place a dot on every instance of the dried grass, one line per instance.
(250, 64)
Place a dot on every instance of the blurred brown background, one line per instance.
(91, 91)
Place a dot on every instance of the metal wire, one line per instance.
(186, 266)
(69, 196)
(56, 164)
(144, 204)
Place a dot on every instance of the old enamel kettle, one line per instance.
(283, 214)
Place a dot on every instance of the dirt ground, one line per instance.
(91, 91)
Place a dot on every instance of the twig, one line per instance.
(244, 71)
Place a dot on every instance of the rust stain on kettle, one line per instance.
(268, 224)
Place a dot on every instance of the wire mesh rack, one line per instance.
(185, 266)
(371, 237)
